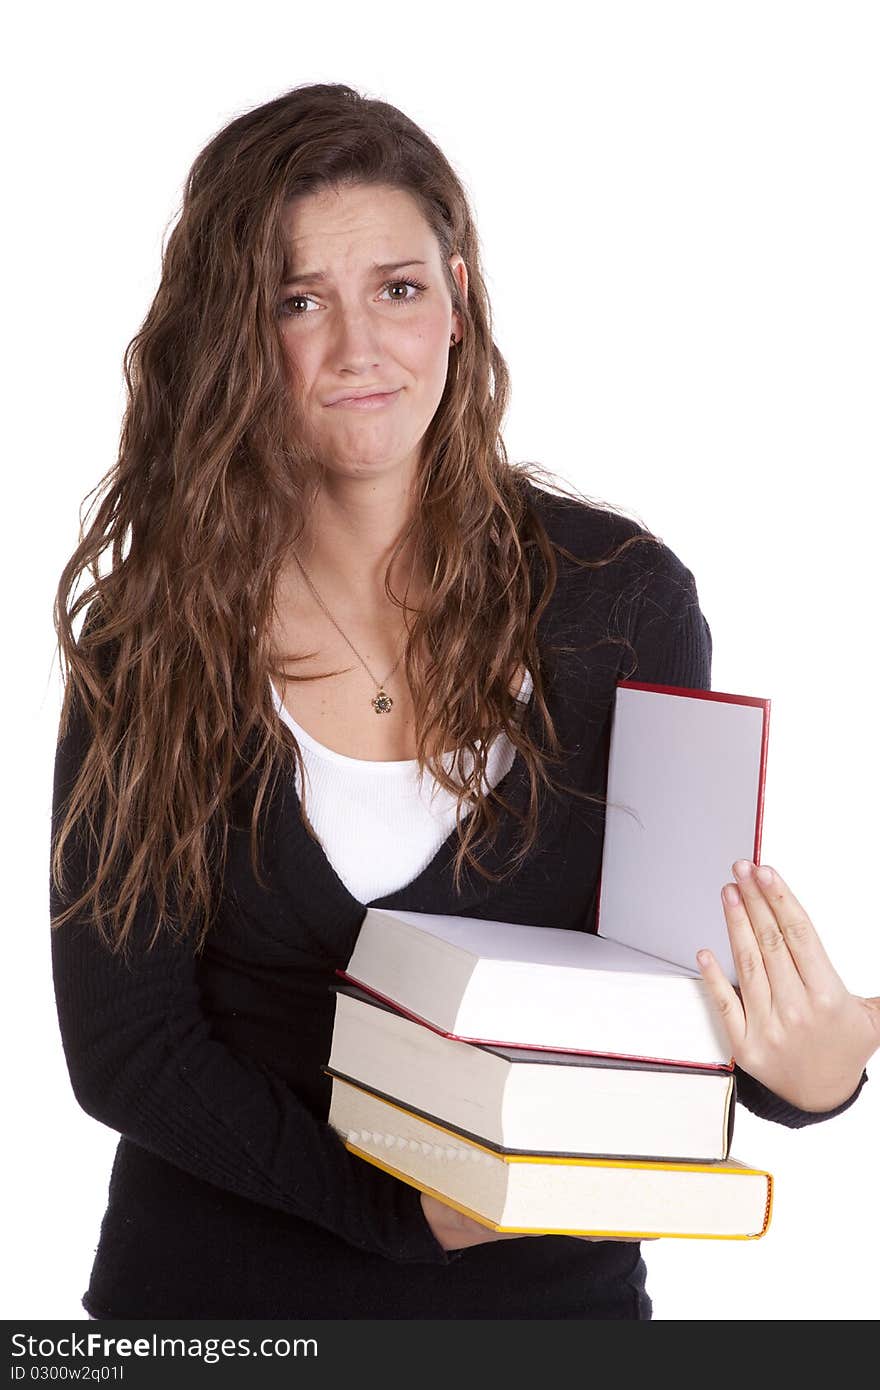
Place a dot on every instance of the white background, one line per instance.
(678, 207)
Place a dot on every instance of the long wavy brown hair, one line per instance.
(211, 489)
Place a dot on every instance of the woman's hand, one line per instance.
(455, 1231)
(792, 1024)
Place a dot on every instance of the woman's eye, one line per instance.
(288, 310)
(294, 299)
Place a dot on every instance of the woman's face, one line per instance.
(348, 326)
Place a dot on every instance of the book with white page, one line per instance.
(545, 1194)
(686, 775)
(684, 800)
(520, 1100)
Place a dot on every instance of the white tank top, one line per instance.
(379, 823)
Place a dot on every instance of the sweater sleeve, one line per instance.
(142, 1061)
(673, 643)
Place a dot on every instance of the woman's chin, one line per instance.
(354, 465)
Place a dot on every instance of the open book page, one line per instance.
(528, 945)
(685, 793)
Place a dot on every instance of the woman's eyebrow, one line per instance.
(313, 276)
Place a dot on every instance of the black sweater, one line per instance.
(230, 1195)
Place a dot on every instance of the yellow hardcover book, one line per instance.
(540, 1194)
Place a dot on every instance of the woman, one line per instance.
(260, 736)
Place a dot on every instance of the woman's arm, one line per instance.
(142, 1060)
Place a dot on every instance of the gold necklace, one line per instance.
(381, 701)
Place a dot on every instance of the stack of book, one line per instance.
(543, 1080)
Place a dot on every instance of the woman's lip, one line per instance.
(367, 402)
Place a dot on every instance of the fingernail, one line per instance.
(742, 868)
(765, 874)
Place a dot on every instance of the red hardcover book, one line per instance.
(685, 788)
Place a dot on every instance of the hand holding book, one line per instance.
(455, 1231)
(792, 1024)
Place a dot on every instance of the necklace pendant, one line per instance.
(382, 703)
